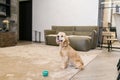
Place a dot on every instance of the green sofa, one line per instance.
(91, 33)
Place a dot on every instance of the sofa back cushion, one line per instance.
(67, 29)
(67, 32)
(83, 33)
(75, 30)
(86, 28)
(63, 28)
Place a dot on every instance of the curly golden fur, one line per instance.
(67, 53)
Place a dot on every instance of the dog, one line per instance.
(68, 54)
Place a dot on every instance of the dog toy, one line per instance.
(45, 73)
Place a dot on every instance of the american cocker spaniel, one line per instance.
(68, 54)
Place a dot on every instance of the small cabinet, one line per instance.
(8, 39)
(4, 8)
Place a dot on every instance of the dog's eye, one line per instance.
(57, 36)
(61, 35)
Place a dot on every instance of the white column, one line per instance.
(117, 23)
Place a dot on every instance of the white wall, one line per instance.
(63, 12)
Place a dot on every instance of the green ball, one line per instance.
(45, 73)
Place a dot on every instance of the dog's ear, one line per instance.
(66, 42)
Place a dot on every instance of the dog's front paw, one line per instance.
(63, 66)
(80, 67)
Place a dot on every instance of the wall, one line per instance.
(14, 16)
(63, 12)
(106, 14)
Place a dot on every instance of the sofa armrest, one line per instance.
(47, 32)
(94, 37)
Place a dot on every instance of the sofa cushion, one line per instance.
(67, 32)
(63, 28)
(85, 28)
(47, 32)
(83, 33)
(52, 35)
(80, 42)
(51, 40)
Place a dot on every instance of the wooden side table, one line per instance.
(109, 39)
(8, 39)
(109, 43)
(107, 35)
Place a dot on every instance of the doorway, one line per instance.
(25, 20)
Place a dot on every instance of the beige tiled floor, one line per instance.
(103, 67)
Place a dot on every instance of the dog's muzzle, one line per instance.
(58, 39)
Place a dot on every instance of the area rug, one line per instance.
(26, 62)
